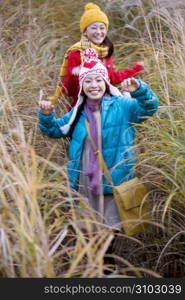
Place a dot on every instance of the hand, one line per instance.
(129, 85)
(46, 106)
(141, 63)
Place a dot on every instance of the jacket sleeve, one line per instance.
(117, 77)
(71, 82)
(144, 104)
(50, 125)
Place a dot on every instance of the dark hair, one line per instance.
(107, 42)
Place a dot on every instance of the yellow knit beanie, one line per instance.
(92, 14)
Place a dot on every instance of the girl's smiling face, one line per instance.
(96, 32)
(94, 87)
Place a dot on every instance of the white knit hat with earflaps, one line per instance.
(91, 65)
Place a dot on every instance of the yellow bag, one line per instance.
(131, 203)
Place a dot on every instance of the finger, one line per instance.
(128, 81)
(135, 82)
(131, 80)
(46, 104)
(140, 62)
(125, 83)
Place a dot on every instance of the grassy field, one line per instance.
(39, 236)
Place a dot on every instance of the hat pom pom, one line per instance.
(91, 5)
(90, 54)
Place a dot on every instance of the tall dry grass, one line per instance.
(39, 235)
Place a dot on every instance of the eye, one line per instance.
(99, 79)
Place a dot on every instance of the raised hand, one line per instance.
(129, 85)
(46, 106)
(141, 63)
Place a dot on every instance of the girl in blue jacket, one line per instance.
(110, 116)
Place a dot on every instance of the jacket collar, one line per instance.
(106, 104)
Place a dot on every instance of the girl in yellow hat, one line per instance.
(93, 26)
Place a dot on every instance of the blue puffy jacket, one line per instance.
(118, 133)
